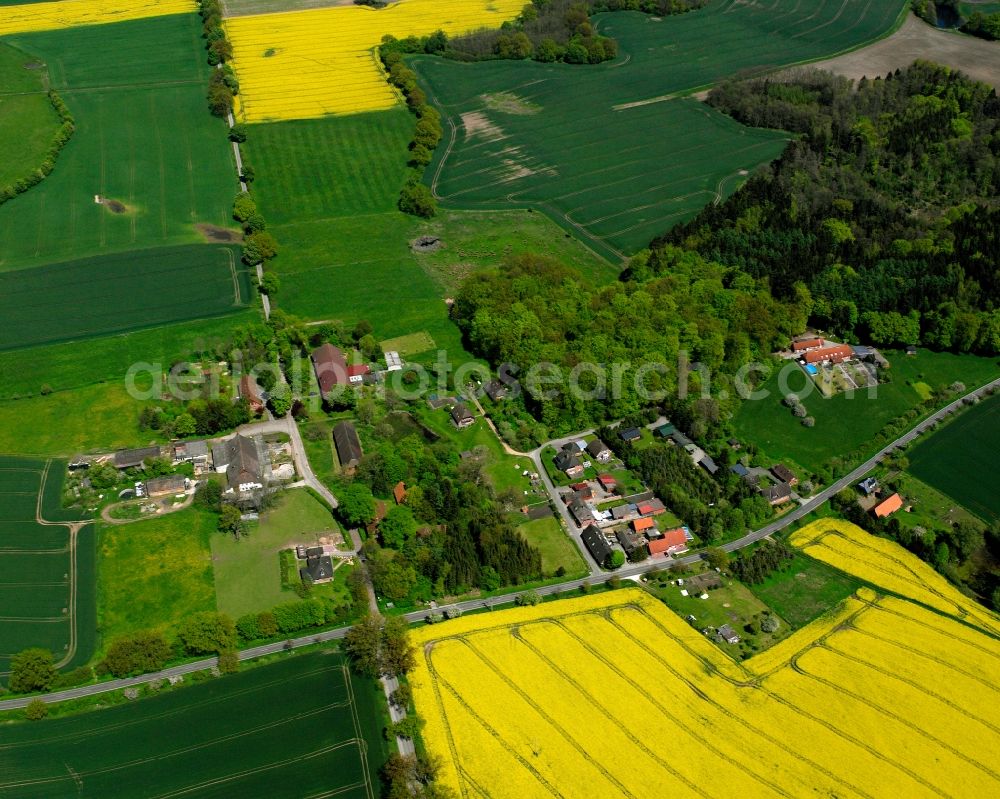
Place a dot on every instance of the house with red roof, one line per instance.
(803, 344)
(836, 353)
(356, 372)
(672, 542)
(888, 506)
(639, 525)
(608, 483)
(651, 507)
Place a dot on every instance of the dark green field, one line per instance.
(97, 296)
(46, 572)
(961, 459)
(299, 727)
(144, 138)
(804, 589)
(609, 151)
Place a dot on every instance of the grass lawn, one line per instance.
(27, 120)
(960, 459)
(93, 418)
(247, 571)
(846, 423)
(931, 508)
(555, 545)
(153, 574)
(804, 590)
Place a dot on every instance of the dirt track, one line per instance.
(915, 39)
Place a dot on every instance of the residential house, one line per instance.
(495, 390)
(630, 541)
(461, 416)
(608, 483)
(596, 544)
(778, 494)
(248, 392)
(393, 363)
(888, 506)
(784, 474)
(357, 372)
(622, 513)
(666, 430)
(129, 458)
(837, 353)
(399, 492)
(669, 543)
(318, 568)
(349, 451)
(728, 634)
(437, 402)
(739, 470)
(651, 507)
(868, 486)
(164, 486)
(330, 366)
(708, 465)
(568, 460)
(583, 490)
(680, 439)
(581, 511)
(643, 524)
(195, 452)
(630, 434)
(239, 459)
(599, 451)
(804, 344)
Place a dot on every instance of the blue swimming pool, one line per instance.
(811, 368)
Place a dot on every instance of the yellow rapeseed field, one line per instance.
(69, 13)
(302, 64)
(615, 696)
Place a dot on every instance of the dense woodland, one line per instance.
(885, 206)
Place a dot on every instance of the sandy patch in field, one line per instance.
(476, 123)
(216, 234)
(977, 58)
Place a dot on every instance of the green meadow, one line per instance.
(27, 120)
(614, 153)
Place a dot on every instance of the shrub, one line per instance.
(141, 652)
(31, 670)
(229, 662)
(238, 133)
(416, 199)
(207, 632)
(36, 710)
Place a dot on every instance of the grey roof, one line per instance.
(596, 447)
(778, 492)
(869, 485)
(565, 459)
(630, 434)
(126, 458)
(318, 567)
(461, 414)
(196, 449)
(727, 632)
(349, 451)
(581, 510)
(596, 544)
(680, 439)
(739, 470)
(495, 390)
(708, 465)
(243, 462)
(629, 539)
(168, 484)
(621, 511)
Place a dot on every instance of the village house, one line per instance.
(888, 506)
(630, 434)
(495, 390)
(868, 486)
(581, 511)
(568, 460)
(195, 452)
(348, 445)
(599, 451)
(318, 568)
(651, 507)
(331, 369)
(778, 494)
(622, 513)
(608, 483)
(837, 353)
(784, 474)
(357, 372)
(461, 417)
(670, 542)
(583, 490)
(643, 524)
(728, 634)
(239, 460)
(666, 430)
(399, 492)
(596, 544)
(740, 470)
(630, 541)
(248, 392)
(805, 344)
(709, 465)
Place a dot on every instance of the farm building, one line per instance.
(631, 542)
(393, 363)
(239, 459)
(248, 392)
(630, 434)
(784, 474)
(599, 450)
(868, 486)
(349, 451)
(671, 542)
(164, 486)
(888, 506)
(331, 369)
(837, 353)
(728, 634)
(597, 545)
(357, 372)
(804, 344)
(495, 390)
(778, 494)
(461, 416)
(191, 452)
(130, 458)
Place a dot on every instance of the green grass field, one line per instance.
(329, 188)
(844, 423)
(247, 572)
(610, 151)
(144, 138)
(46, 573)
(555, 545)
(27, 120)
(804, 590)
(960, 459)
(115, 293)
(152, 574)
(302, 726)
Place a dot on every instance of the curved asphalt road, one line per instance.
(627, 571)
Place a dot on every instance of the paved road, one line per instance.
(633, 570)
